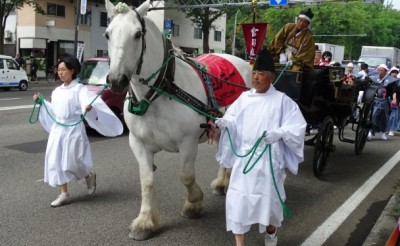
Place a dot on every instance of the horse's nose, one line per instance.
(117, 83)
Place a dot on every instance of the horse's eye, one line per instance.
(138, 34)
(106, 35)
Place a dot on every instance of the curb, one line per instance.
(384, 226)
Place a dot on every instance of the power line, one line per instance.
(340, 35)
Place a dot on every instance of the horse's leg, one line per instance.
(148, 219)
(194, 204)
(221, 183)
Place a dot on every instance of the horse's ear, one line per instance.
(143, 8)
(109, 7)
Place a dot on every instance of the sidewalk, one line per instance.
(42, 82)
(384, 226)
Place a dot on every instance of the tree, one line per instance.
(203, 18)
(6, 6)
(341, 23)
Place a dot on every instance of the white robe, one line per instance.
(68, 154)
(251, 197)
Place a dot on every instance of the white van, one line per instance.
(11, 75)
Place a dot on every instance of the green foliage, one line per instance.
(333, 22)
(203, 18)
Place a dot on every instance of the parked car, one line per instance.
(93, 74)
(11, 75)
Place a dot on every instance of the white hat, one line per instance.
(382, 66)
(350, 64)
(393, 69)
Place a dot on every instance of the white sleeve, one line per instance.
(100, 118)
(45, 110)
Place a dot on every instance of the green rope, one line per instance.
(283, 70)
(252, 151)
(40, 101)
(286, 211)
(153, 75)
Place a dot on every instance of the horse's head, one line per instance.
(126, 44)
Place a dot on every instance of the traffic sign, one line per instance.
(278, 3)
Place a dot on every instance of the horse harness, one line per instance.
(164, 82)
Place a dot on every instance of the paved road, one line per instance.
(26, 217)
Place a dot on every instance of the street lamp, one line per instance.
(234, 33)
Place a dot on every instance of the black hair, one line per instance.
(364, 66)
(72, 63)
(327, 54)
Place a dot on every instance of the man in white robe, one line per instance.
(252, 197)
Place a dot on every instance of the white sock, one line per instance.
(272, 236)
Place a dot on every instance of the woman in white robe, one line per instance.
(68, 154)
(252, 197)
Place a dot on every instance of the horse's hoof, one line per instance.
(191, 214)
(141, 235)
(192, 210)
(219, 191)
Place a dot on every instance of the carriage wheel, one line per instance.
(323, 146)
(362, 128)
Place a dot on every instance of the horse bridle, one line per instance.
(165, 75)
(143, 24)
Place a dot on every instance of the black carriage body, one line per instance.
(326, 101)
(319, 92)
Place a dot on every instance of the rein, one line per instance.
(40, 101)
(143, 33)
(247, 169)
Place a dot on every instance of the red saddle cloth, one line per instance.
(221, 69)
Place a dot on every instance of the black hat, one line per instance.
(306, 14)
(264, 61)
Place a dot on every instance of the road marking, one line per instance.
(7, 99)
(15, 107)
(326, 229)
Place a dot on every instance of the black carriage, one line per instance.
(327, 102)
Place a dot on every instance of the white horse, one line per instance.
(138, 52)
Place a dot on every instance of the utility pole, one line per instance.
(234, 34)
(78, 4)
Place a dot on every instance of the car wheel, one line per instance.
(23, 86)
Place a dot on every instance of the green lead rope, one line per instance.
(286, 211)
(40, 101)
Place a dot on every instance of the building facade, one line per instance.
(48, 36)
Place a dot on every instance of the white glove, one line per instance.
(272, 137)
(289, 63)
(282, 59)
(360, 97)
(221, 123)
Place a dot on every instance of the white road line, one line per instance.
(15, 107)
(326, 229)
(8, 99)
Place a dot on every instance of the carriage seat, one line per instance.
(288, 81)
